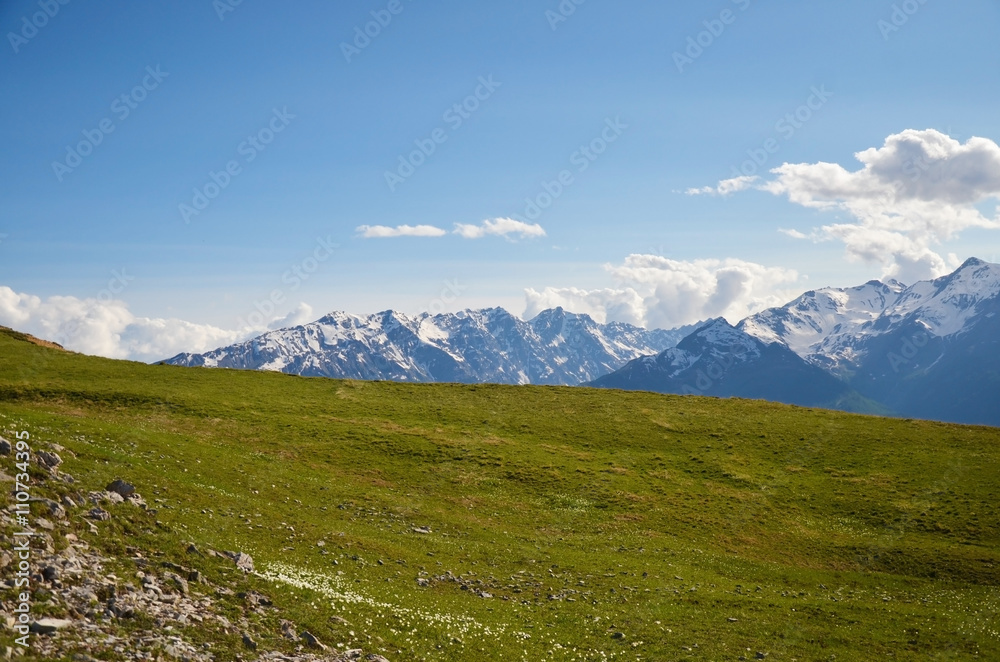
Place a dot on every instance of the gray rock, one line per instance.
(5, 447)
(312, 641)
(249, 642)
(288, 630)
(99, 514)
(48, 460)
(178, 581)
(120, 487)
(243, 561)
(372, 657)
(49, 625)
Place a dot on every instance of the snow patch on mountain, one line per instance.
(491, 345)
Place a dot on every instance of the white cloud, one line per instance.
(624, 305)
(105, 327)
(501, 227)
(302, 314)
(657, 292)
(917, 191)
(498, 227)
(726, 187)
(794, 234)
(386, 232)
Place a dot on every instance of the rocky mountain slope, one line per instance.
(721, 360)
(141, 604)
(473, 346)
(928, 350)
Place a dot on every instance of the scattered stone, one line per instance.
(242, 560)
(5, 447)
(312, 641)
(288, 630)
(255, 599)
(99, 514)
(49, 625)
(249, 642)
(178, 581)
(120, 487)
(422, 581)
(48, 460)
(422, 529)
(43, 523)
(760, 655)
(50, 573)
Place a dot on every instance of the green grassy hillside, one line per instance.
(600, 524)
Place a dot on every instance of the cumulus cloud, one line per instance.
(726, 187)
(620, 305)
(501, 227)
(106, 327)
(302, 314)
(658, 292)
(386, 232)
(912, 194)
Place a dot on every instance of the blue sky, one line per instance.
(223, 76)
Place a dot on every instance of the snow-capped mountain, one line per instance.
(930, 350)
(822, 326)
(833, 327)
(721, 360)
(556, 347)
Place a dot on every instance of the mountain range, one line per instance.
(928, 350)
(472, 346)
